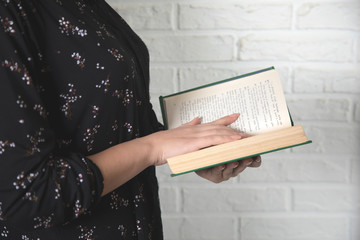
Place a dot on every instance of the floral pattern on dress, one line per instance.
(74, 81)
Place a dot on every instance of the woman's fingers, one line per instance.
(256, 161)
(227, 120)
(226, 171)
(195, 121)
(193, 136)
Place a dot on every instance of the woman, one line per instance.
(78, 137)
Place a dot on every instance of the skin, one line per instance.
(124, 161)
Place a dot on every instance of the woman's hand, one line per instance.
(124, 161)
(194, 136)
(191, 137)
(225, 171)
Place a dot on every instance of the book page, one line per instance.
(258, 98)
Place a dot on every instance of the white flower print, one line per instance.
(5, 144)
(69, 98)
(69, 29)
(79, 60)
(7, 24)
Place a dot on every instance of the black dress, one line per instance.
(74, 80)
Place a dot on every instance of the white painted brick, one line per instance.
(172, 227)
(338, 15)
(169, 199)
(354, 228)
(319, 108)
(208, 228)
(234, 16)
(344, 198)
(162, 82)
(171, 48)
(196, 76)
(146, 16)
(342, 139)
(304, 46)
(348, 82)
(294, 228)
(309, 81)
(234, 199)
(327, 79)
(294, 168)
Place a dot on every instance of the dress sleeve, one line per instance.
(40, 186)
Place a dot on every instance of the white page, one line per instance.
(258, 98)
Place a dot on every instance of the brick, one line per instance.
(208, 227)
(162, 82)
(346, 81)
(169, 199)
(294, 228)
(297, 46)
(285, 167)
(340, 139)
(193, 77)
(344, 198)
(309, 81)
(234, 199)
(319, 108)
(172, 227)
(338, 15)
(327, 79)
(354, 228)
(184, 48)
(146, 16)
(235, 16)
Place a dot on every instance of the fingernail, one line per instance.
(257, 159)
(236, 137)
(249, 163)
(236, 165)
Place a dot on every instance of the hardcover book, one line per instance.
(260, 100)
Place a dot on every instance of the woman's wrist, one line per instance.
(150, 146)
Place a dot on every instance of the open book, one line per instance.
(260, 100)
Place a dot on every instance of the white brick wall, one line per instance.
(307, 193)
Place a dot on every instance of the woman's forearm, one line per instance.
(122, 162)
